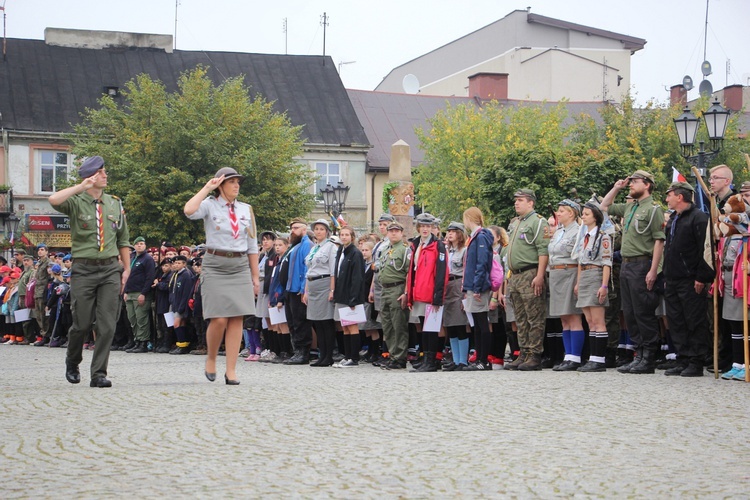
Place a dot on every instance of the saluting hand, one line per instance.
(213, 183)
(621, 184)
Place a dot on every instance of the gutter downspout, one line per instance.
(6, 157)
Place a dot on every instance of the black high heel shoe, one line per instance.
(230, 382)
(210, 376)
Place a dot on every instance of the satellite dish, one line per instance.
(410, 84)
(706, 68)
(705, 88)
(687, 82)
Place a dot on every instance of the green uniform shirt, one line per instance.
(393, 262)
(529, 239)
(81, 209)
(642, 225)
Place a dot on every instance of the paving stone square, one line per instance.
(163, 430)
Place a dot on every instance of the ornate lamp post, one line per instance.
(11, 229)
(334, 198)
(687, 125)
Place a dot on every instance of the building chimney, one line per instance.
(733, 97)
(489, 86)
(678, 95)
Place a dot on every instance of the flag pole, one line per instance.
(714, 213)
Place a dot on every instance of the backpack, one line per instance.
(496, 275)
(30, 293)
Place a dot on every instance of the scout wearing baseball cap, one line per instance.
(525, 193)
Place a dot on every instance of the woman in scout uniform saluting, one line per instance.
(563, 275)
(230, 266)
(592, 286)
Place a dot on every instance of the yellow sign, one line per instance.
(51, 239)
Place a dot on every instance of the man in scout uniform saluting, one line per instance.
(393, 266)
(99, 233)
(527, 257)
(642, 248)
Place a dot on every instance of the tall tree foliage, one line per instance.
(160, 148)
(481, 156)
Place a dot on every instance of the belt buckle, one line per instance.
(229, 254)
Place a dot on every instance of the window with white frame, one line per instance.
(53, 169)
(327, 173)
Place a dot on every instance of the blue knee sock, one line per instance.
(246, 337)
(455, 349)
(463, 346)
(566, 340)
(576, 342)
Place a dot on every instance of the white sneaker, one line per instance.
(348, 363)
(340, 364)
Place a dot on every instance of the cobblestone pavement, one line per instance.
(163, 430)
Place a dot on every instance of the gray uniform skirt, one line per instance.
(561, 285)
(261, 305)
(476, 306)
(453, 315)
(510, 313)
(318, 306)
(226, 287)
(417, 310)
(731, 308)
(588, 287)
(377, 293)
(370, 324)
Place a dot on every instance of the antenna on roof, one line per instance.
(5, 56)
(286, 38)
(324, 23)
(176, 4)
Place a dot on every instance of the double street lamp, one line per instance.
(11, 230)
(334, 199)
(687, 125)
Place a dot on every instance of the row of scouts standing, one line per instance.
(319, 281)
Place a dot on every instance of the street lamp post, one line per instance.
(687, 125)
(334, 198)
(11, 229)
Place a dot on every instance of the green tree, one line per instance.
(160, 148)
(465, 141)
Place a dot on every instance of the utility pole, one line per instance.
(324, 23)
(176, 4)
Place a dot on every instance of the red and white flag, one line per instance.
(677, 176)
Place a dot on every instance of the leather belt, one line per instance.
(526, 268)
(229, 255)
(315, 278)
(586, 267)
(563, 266)
(96, 262)
(452, 278)
(636, 259)
(391, 285)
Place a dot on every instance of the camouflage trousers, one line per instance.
(531, 311)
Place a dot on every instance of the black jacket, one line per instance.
(180, 291)
(350, 277)
(142, 273)
(683, 249)
(162, 293)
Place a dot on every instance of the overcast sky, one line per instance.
(382, 34)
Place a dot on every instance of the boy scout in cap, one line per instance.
(99, 233)
(642, 248)
(527, 256)
(384, 221)
(393, 266)
(687, 275)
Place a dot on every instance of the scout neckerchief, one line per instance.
(233, 222)
(99, 225)
(314, 250)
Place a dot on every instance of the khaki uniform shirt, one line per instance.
(642, 225)
(528, 240)
(81, 209)
(393, 262)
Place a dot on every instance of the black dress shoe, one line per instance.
(100, 382)
(593, 366)
(674, 370)
(210, 376)
(231, 382)
(568, 366)
(72, 374)
(297, 359)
